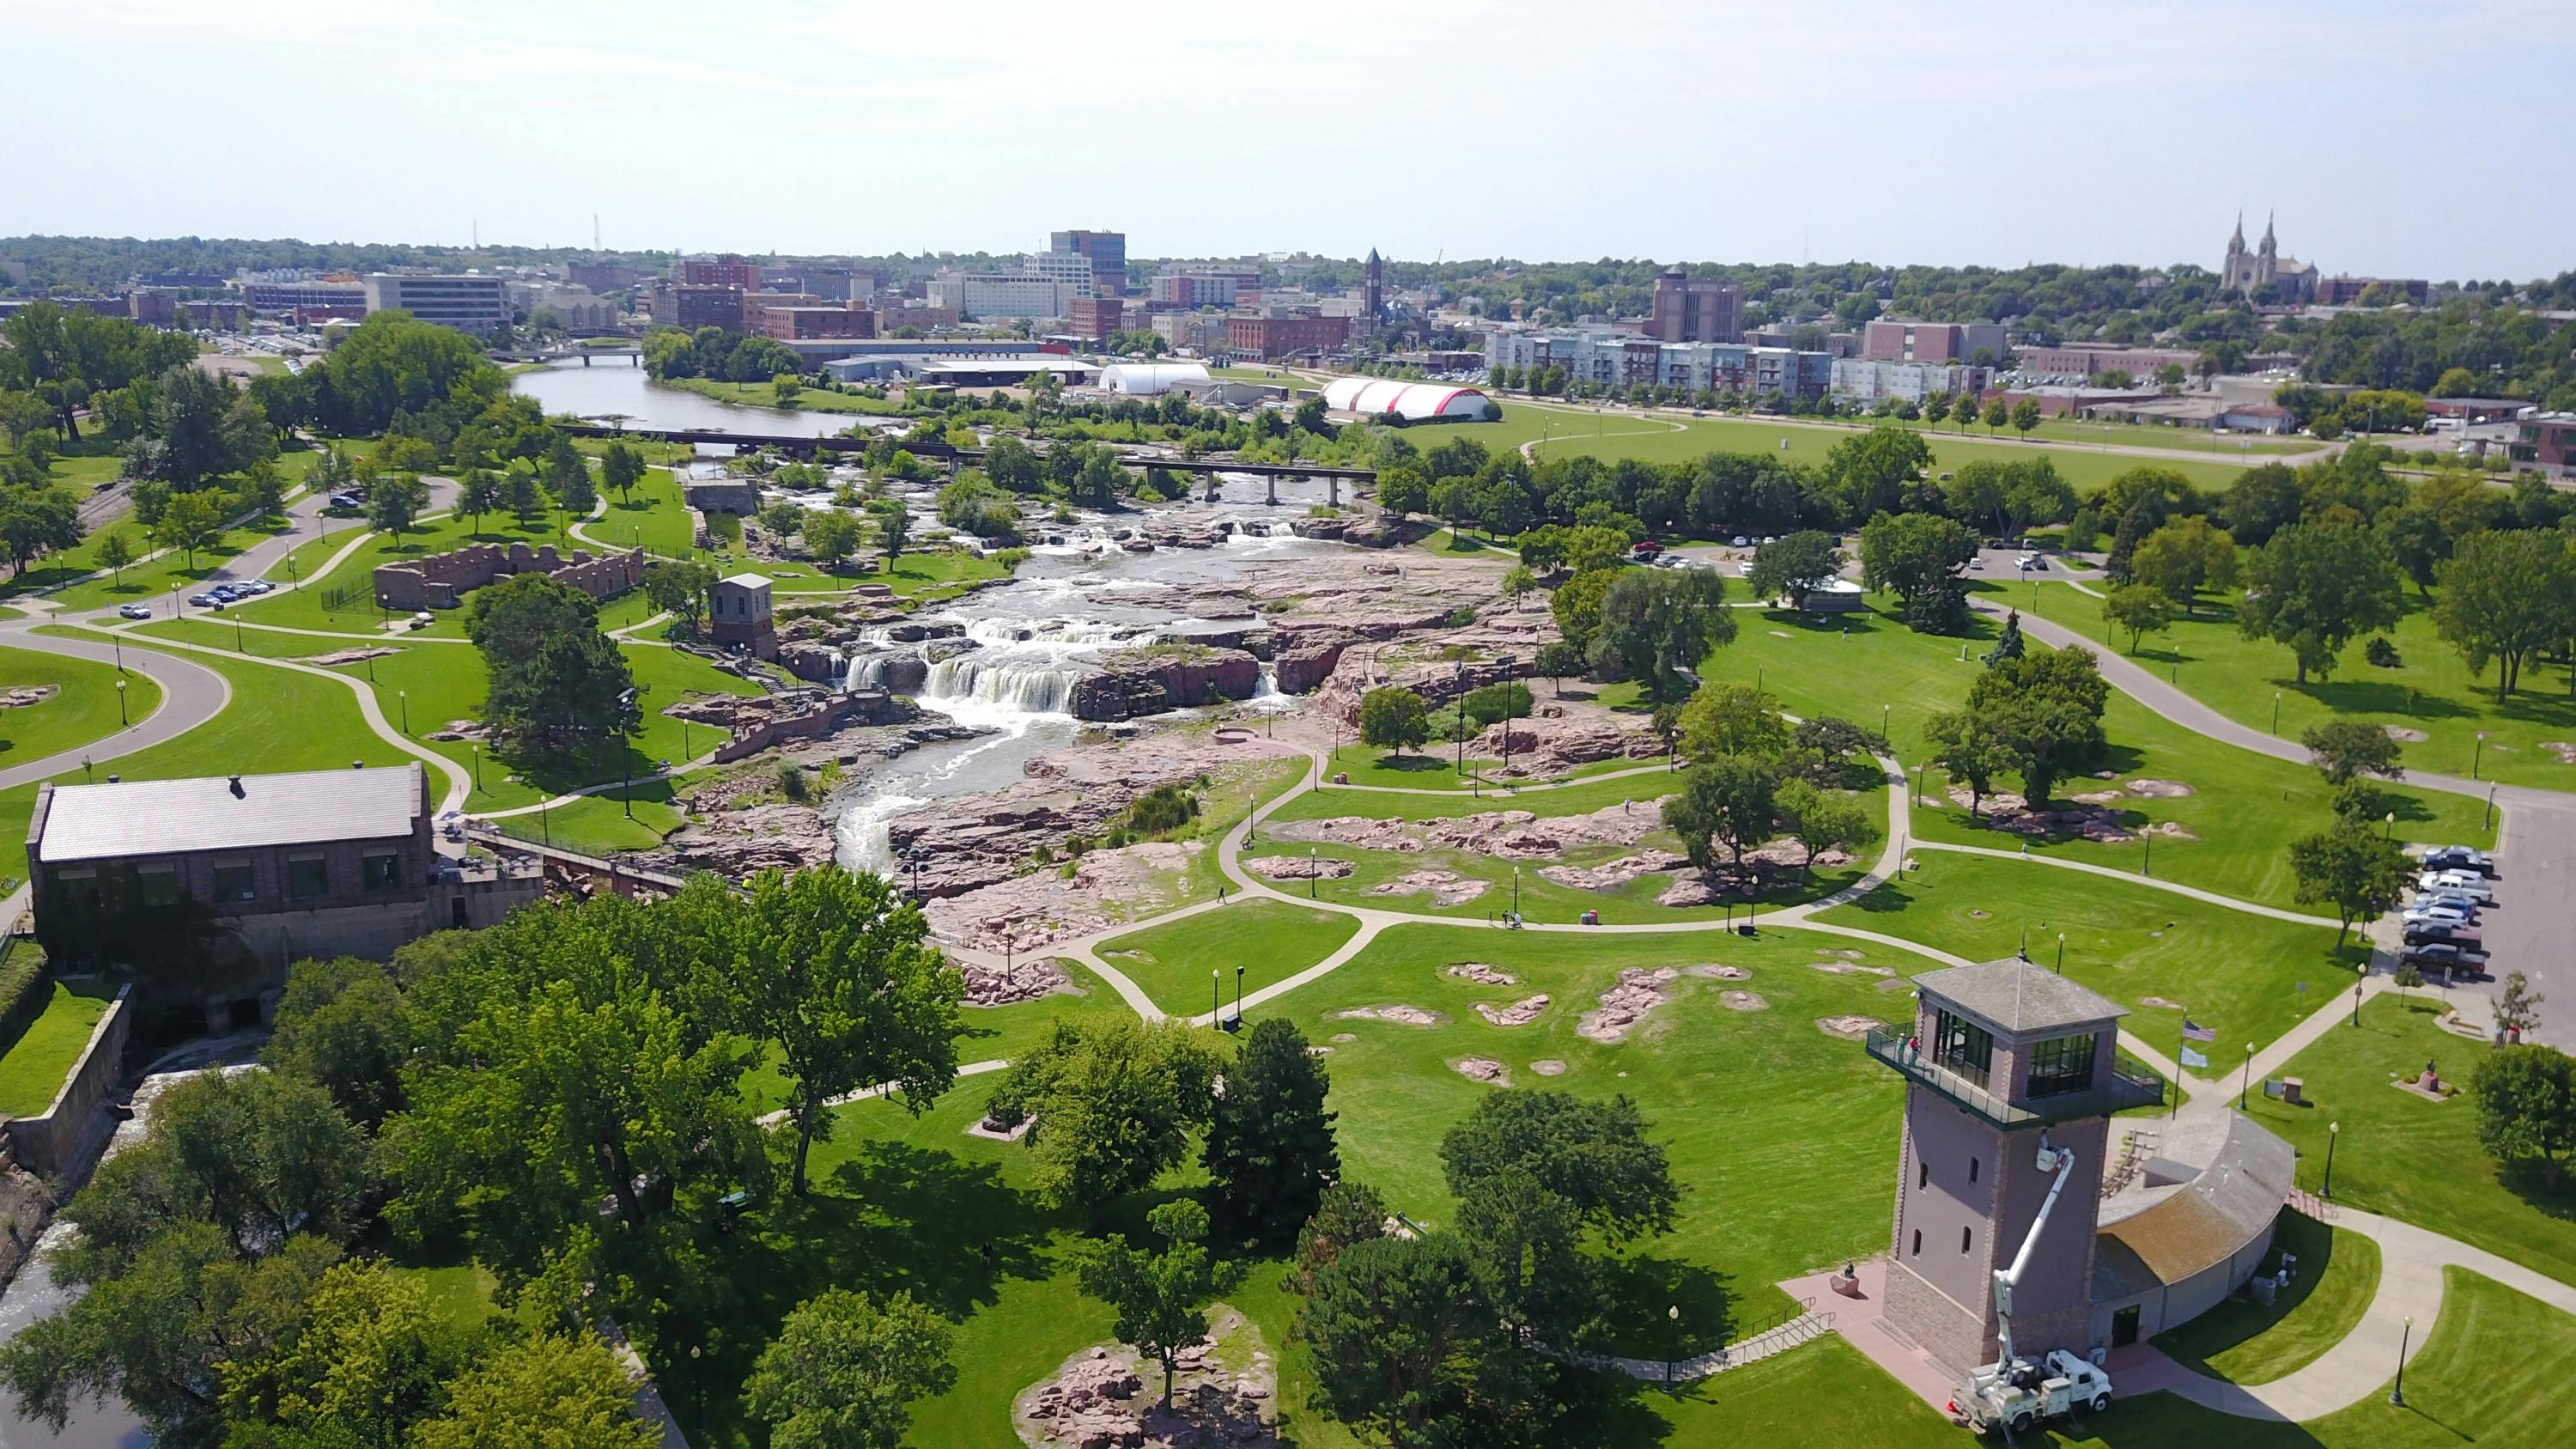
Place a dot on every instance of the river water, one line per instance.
(1036, 635)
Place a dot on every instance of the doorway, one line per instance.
(2124, 1326)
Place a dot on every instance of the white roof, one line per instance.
(1146, 378)
(1410, 400)
(163, 817)
(746, 580)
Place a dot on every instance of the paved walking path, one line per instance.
(2130, 877)
(191, 694)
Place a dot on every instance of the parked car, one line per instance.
(2445, 956)
(344, 500)
(2458, 857)
(1740, 541)
(2438, 916)
(134, 611)
(1976, 561)
(204, 601)
(2457, 882)
(2429, 933)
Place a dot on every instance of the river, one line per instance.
(1036, 635)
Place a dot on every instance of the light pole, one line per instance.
(2480, 757)
(2356, 1004)
(2147, 864)
(2244, 1076)
(1238, 998)
(1672, 1342)
(1507, 661)
(1314, 873)
(1882, 720)
(2389, 830)
(1462, 717)
(2490, 816)
(2334, 1132)
(625, 697)
(402, 697)
(2397, 1390)
(121, 720)
(118, 642)
(1216, 999)
(2276, 711)
(2061, 953)
(477, 748)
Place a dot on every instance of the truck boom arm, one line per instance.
(2006, 1279)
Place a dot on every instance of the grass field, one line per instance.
(33, 1067)
(154, 579)
(2432, 691)
(2246, 1342)
(2238, 973)
(83, 708)
(1268, 939)
(2413, 1159)
(1577, 798)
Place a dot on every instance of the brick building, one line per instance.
(1688, 311)
(799, 324)
(693, 307)
(441, 580)
(2345, 291)
(1097, 318)
(1900, 341)
(2078, 362)
(728, 270)
(2548, 439)
(1270, 338)
(738, 615)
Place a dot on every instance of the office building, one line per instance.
(291, 296)
(2546, 439)
(728, 270)
(1105, 250)
(1866, 381)
(983, 296)
(1890, 340)
(1269, 338)
(2077, 362)
(1205, 333)
(1203, 289)
(473, 302)
(1688, 311)
(805, 323)
(1611, 357)
(1097, 319)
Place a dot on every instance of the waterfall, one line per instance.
(1267, 687)
(1032, 686)
(867, 672)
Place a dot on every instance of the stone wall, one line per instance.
(48, 1143)
(441, 580)
(873, 706)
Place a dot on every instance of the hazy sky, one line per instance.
(2401, 139)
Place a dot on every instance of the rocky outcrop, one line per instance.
(1306, 666)
(762, 837)
(1149, 681)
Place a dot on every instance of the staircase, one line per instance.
(1785, 1331)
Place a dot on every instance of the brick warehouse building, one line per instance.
(1268, 339)
(441, 580)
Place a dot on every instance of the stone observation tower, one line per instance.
(1997, 1057)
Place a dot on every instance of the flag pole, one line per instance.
(2182, 1046)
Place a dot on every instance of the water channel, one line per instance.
(1079, 598)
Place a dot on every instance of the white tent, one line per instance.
(1150, 379)
(1415, 402)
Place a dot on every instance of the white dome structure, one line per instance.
(1151, 379)
(1415, 402)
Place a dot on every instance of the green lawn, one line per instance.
(1268, 939)
(1579, 798)
(2245, 1342)
(2408, 1158)
(654, 517)
(153, 581)
(1429, 768)
(344, 601)
(2235, 972)
(83, 708)
(2432, 691)
(33, 1067)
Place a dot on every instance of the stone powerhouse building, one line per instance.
(441, 580)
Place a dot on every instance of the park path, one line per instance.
(191, 694)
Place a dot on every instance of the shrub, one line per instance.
(1492, 702)
(792, 783)
(1461, 616)
(2381, 652)
(1161, 809)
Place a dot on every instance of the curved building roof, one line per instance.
(2210, 1186)
(1412, 401)
(1150, 379)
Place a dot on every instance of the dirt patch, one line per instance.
(1743, 1001)
(1298, 867)
(2160, 789)
(1344, 1036)
(1548, 1067)
(1719, 973)
(1839, 967)
(348, 656)
(1366, 831)
(1034, 910)
(1483, 1069)
(1445, 887)
(1400, 1015)
(1519, 1013)
(1850, 1028)
(1782, 634)
(1976, 915)
(1614, 874)
(2563, 751)
(2159, 1003)
(1481, 974)
(1894, 983)
(1225, 1391)
(1025, 981)
(21, 696)
(2403, 735)
(1638, 992)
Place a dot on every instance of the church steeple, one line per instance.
(2269, 246)
(2236, 243)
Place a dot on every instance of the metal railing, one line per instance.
(2124, 1091)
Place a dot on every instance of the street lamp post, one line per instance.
(2061, 953)
(625, 697)
(2479, 758)
(2245, 1076)
(2397, 1390)
(2389, 830)
(121, 720)
(1672, 1341)
(1462, 717)
(2356, 1006)
(1238, 998)
(2334, 1132)
(1216, 998)
(2147, 863)
(402, 697)
(1507, 661)
(477, 747)
(2276, 711)
(2490, 816)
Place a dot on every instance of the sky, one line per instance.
(2390, 139)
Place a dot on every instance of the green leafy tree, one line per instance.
(1518, 581)
(894, 526)
(478, 493)
(1822, 819)
(115, 552)
(1965, 409)
(1657, 623)
(1270, 1151)
(679, 587)
(1402, 489)
(2526, 1096)
(2315, 586)
(394, 504)
(1794, 565)
(2025, 416)
(621, 467)
(2506, 595)
(2351, 867)
(2183, 557)
(833, 536)
(2045, 710)
(1393, 719)
(971, 504)
(1110, 1105)
(1576, 606)
(1997, 414)
(263, 490)
(1346, 1213)
(1966, 746)
(1727, 718)
(370, 1360)
(526, 501)
(558, 687)
(1156, 1296)
(1728, 801)
(190, 522)
(550, 1390)
(1875, 471)
(1556, 659)
(344, 1026)
(45, 518)
(837, 970)
(1401, 1338)
(1921, 558)
(845, 1369)
(201, 427)
(2141, 609)
(2345, 750)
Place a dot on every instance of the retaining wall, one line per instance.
(47, 1143)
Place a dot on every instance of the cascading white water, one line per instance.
(1040, 686)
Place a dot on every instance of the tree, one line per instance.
(894, 526)
(558, 686)
(1658, 623)
(1270, 1151)
(114, 552)
(836, 969)
(972, 505)
(1966, 408)
(832, 534)
(1821, 819)
(2139, 608)
(45, 518)
(263, 490)
(562, 466)
(1874, 471)
(576, 493)
(2526, 1096)
(519, 490)
(1727, 801)
(2183, 557)
(1920, 556)
(845, 1369)
(1402, 489)
(2025, 416)
(1966, 747)
(1400, 1337)
(344, 1026)
(621, 467)
(2347, 749)
(1593, 1154)
(478, 492)
(2517, 1007)
(1346, 1213)
(1556, 659)
(676, 586)
(1794, 565)
(1110, 1105)
(2045, 712)
(1517, 583)
(395, 503)
(2351, 867)
(1997, 414)
(369, 1360)
(1576, 606)
(1727, 718)
(201, 427)
(1156, 1297)
(2316, 585)
(2505, 595)
(1393, 719)
(550, 1391)
(189, 522)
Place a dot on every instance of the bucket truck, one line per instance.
(2013, 1391)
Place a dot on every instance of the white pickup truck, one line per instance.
(2019, 1395)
